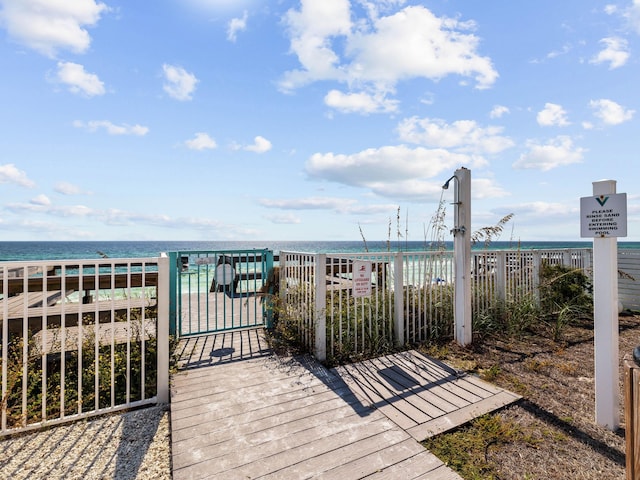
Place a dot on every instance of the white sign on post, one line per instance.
(361, 279)
(603, 216)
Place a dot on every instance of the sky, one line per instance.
(312, 120)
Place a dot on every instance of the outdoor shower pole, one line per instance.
(462, 257)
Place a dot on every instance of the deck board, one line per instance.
(238, 411)
(423, 396)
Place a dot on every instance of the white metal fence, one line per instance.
(629, 281)
(80, 338)
(411, 297)
(84, 337)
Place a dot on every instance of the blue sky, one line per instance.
(311, 120)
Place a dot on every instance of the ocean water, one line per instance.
(31, 251)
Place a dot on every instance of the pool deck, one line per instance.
(240, 412)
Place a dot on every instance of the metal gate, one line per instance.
(214, 291)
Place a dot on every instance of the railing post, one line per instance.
(172, 292)
(632, 417)
(537, 263)
(501, 275)
(320, 324)
(267, 307)
(162, 329)
(398, 296)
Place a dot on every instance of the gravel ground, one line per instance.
(126, 446)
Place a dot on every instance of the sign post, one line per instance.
(603, 217)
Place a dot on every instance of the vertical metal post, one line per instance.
(172, 279)
(462, 253)
(162, 329)
(267, 306)
(605, 312)
(320, 347)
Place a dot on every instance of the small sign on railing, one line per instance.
(361, 279)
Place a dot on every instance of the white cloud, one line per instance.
(78, 80)
(49, 26)
(416, 43)
(615, 52)
(115, 217)
(498, 111)
(463, 135)
(220, 6)
(201, 141)
(610, 112)
(112, 129)
(49, 209)
(335, 204)
(633, 15)
(311, 29)
(390, 171)
(41, 199)
(557, 53)
(552, 115)
(308, 203)
(260, 145)
(284, 219)
(360, 102)
(179, 83)
(557, 152)
(10, 174)
(543, 210)
(66, 188)
(236, 25)
(486, 188)
(380, 51)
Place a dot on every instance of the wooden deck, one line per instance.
(421, 395)
(246, 413)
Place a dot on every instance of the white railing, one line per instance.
(80, 338)
(629, 281)
(411, 298)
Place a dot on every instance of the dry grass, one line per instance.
(551, 433)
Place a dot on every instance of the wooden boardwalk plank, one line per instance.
(249, 414)
(261, 417)
(317, 457)
(388, 457)
(435, 401)
(462, 416)
(413, 467)
(421, 395)
(363, 379)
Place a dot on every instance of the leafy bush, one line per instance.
(510, 316)
(565, 296)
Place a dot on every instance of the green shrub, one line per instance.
(565, 296)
